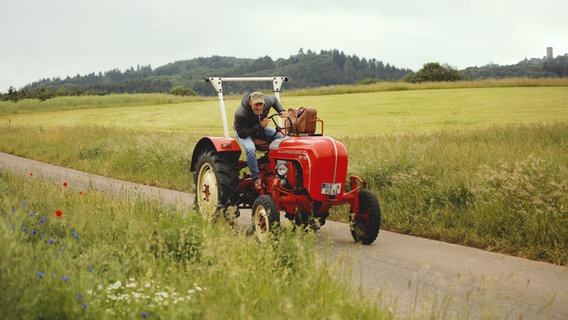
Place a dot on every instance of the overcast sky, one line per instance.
(57, 38)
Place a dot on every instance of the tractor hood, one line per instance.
(323, 161)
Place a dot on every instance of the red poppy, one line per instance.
(81, 193)
(31, 174)
(64, 184)
(58, 213)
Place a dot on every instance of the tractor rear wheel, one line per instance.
(216, 186)
(366, 223)
(265, 217)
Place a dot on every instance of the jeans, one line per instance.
(250, 149)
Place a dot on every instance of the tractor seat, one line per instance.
(261, 145)
(264, 146)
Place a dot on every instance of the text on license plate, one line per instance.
(331, 189)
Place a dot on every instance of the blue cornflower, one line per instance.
(40, 274)
(51, 240)
(144, 315)
(65, 278)
(79, 296)
(34, 232)
(42, 220)
(23, 204)
(85, 305)
(24, 228)
(31, 214)
(75, 235)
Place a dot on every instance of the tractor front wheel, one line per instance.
(366, 223)
(265, 217)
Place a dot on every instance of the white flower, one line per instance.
(115, 286)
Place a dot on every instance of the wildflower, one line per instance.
(31, 174)
(85, 305)
(65, 278)
(42, 220)
(40, 274)
(75, 235)
(34, 232)
(58, 213)
(31, 214)
(23, 204)
(64, 183)
(24, 228)
(115, 286)
(51, 240)
(144, 315)
(79, 296)
(81, 192)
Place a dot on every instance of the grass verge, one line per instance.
(69, 254)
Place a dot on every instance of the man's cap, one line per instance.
(257, 97)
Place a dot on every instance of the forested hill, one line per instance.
(305, 69)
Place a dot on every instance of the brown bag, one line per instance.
(302, 121)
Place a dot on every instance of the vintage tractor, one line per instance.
(303, 174)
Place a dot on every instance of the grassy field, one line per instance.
(71, 254)
(483, 164)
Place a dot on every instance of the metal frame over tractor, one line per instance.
(303, 174)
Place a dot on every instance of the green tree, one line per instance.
(182, 91)
(434, 71)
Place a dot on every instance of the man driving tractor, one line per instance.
(251, 122)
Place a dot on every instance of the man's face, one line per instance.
(257, 107)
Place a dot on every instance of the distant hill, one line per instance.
(304, 69)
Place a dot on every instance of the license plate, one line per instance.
(331, 189)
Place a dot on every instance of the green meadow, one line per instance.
(481, 164)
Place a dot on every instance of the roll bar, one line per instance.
(217, 83)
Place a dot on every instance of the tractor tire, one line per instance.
(265, 217)
(366, 223)
(216, 186)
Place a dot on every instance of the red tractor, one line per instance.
(303, 174)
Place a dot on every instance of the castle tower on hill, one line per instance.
(549, 54)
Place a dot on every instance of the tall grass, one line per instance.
(402, 86)
(160, 158)
(88, 102)
(502, 189)
(439, 160)
(71, 254)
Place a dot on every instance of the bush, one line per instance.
(434, 72)
(182, 91)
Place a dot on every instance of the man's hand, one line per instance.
(284, 114)
(264, 122)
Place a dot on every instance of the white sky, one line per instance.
(57, 38)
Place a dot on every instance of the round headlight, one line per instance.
(281, 169)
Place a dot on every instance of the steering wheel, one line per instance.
(282, 130)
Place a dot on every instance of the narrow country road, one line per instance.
(413, 276)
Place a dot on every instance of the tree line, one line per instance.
(306, 69)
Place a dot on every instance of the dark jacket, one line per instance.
(247, 124)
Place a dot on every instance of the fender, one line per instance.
(226, 145)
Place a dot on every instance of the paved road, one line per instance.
(413, 276)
